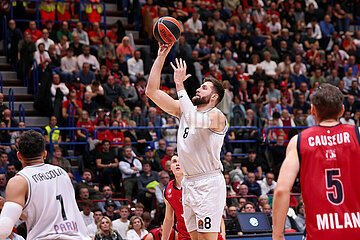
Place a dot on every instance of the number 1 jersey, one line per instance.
(50, 211)
(330, 162)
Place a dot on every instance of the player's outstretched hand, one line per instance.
(179, 71)
(164, 49)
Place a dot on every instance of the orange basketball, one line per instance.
(166, 30)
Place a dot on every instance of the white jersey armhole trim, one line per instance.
(29, 189)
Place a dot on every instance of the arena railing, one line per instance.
(20, 129)
(80, 3)
(70, 142)
(241, 141)
(114, 199)
(287, 127)
(35, 73)
(21, 113)
(11, 101)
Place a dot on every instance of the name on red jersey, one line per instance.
(324, 140)
(336, 221)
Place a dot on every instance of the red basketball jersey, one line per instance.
(174, 196)
(329, 163)
(156, 233)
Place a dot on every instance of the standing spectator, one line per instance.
(252, 164)
(44, 39)
(121, 224)
(63, 10)
(147, 182)
(35, 34)
(105, 230)
(14, 35)
(92, 228)
(26, 48)
(130, 169)
(136, 67)
(93, 10)
(268, 183)
(64, 31)
(137, 229)
(86, 57)
(108, 163)
(68, 66)
(83, 35)
(125, 48)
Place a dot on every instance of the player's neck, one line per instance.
(32, 163)
(329, 122)
(204, 107)
(178, 180)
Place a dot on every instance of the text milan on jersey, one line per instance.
(47, 175)
(336, 221)
(333, 140)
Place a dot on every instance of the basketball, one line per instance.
(166, 30)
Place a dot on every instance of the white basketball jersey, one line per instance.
(51, 211)
(199, 148)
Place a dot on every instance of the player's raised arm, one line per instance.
(16, 191)
(160, 98)
(168, 220)
(288, 172)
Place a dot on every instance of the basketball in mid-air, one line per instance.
(167, 30)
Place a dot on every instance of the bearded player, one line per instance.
(43, 194)
(327, 156)
(200, 138)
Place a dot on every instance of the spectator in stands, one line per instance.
(269, 66)
(164, 180)
(170, 134)
(137, 229)
(112, 91)
(125, 48)
(108, 163)
(76, 45)
(62, 46)
(147, 182)
(55, 59)
(157, 120)
(273, 92)
(121, 224)
(88, 183)
(113, 35)
(85, 75)
(272, 107)
(138, 136)
(14, 35)
(103, 52)
(42, 57)
(64, 31)
(25, 57)
(252, 164)
(35, 34)
(95, 36)
(92, 228)
(3, 162)
(232, 225)
(68, 66)
(268, 183)
(56, 84)
(346, 119)
(57, 159)
(342, 18)
(84, 194)
(149, 157)
(2, 185)
(302, 104)
(110, 207)
(135, 67)
(83, 35)
(129, 92)
(130, 169)
(333, 78)
(86, 213)
(102, 76)
(12, 155)
(298, 78)
(45, 39)
(10, 171)
(86, 57)
(253, 187)
(8, 119)
(105, 230)
(195, 24)
(300, 220)
(77, 106)
(169, 151)
(107, 193)
(5, 137)
(351, 105)
(227, 61)
(317, 78)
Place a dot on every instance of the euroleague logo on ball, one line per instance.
(254, 222)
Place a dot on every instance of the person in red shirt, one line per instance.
(34, 32)
(85, 122)
(77, 106)
(152, 9)
(188, 8)
(96, 35)
(113, 36)
(100, 115)
(325, 157)
(117, 136)
(169, 152)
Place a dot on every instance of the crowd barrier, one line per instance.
(68, 143)
(241, 141)
(114, 199)
(11, 101)
(80, 3)
(21, 113)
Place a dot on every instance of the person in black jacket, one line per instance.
(105, 230)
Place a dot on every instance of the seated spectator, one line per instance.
(57, 160)
(56, 136)
(8, 119)
(84, 194)
(227, 61)
(129, 92)
(169, 151)
(85, 75)
(83, 35)
(86, 213)
(102, 75)
(147, 182)
(138, 136)
(88, 183)
(42, 57)
(272, 107)
(253, 187)
(5, 138)
(302, 104)
(346, 119)
(317, 78)
(269, 66)
(26, 49)
(268, 183)
(249, 207)
(351, 105)
(135, 67)
(164, 180)
(3, 162)
(121, 224)
(86, 57)
(62, 46)
(113, 35)
(107, 193)
(110, 207)
(2, 185)
(44, 39)
(252, 164)
(76, 45)
(95, 36)
(76, 106)
(130, 169)
(298, 78)
(232, 225)
(125, 48)
(170, 134)
(92, 228)
(203, 50)
(10, 171)
(112, 91)
(106, 231)
(56, 84)
(64, 31)
(68, 66)
(300, 118)
(55, 60)
(342, 18)
(259, 92)
(35, 34)
(333, 78)
(137, 229)
(108, 163)
(300, 220)
(157, 120)
(349, 78)
(104, 49)
(195, 24)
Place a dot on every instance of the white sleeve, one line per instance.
(10, 213)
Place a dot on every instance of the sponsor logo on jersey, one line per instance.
(330, 154)
(201, 224)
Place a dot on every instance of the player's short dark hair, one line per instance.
(218, 87)
(328, 101)
(31, 145)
